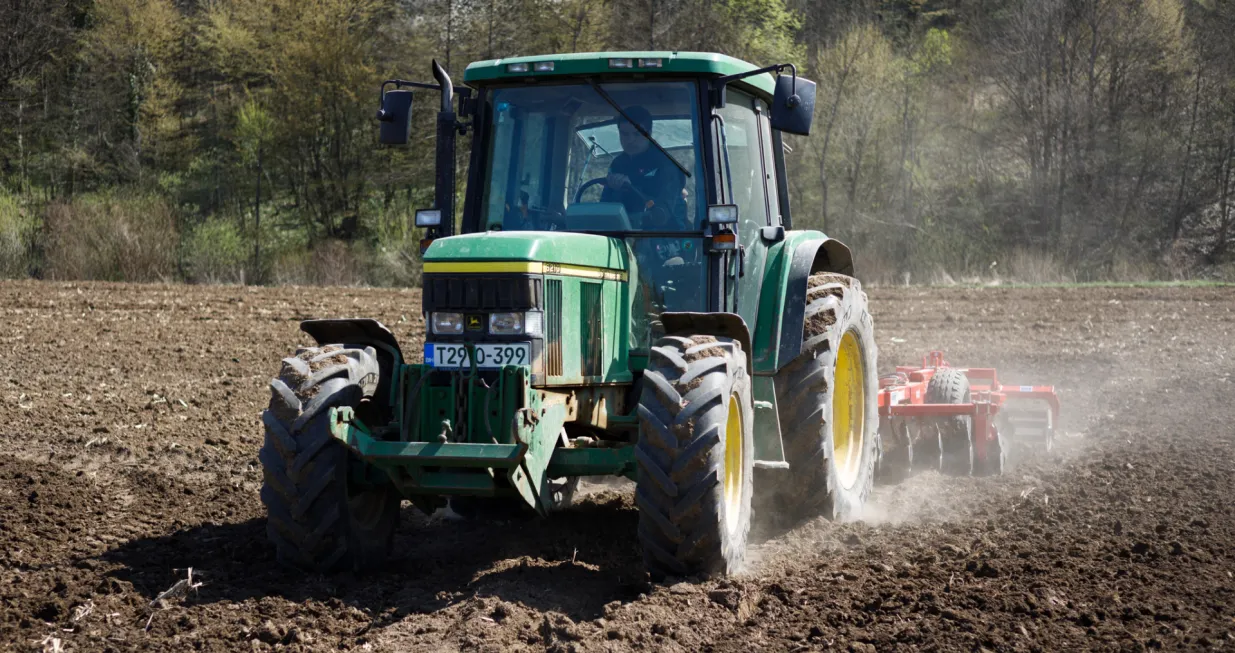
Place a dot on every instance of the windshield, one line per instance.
(563, 158)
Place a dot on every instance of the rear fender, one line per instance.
(363, 332)
(782, 307)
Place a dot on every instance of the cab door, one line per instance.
(747, 178)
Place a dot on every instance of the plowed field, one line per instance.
(129, 431)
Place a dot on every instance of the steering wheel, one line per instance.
(586, 185)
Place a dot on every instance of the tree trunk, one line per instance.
(1224, 198)
(257, 222)
(1178, 222)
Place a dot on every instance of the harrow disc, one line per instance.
(995, 462)
(1028, 425)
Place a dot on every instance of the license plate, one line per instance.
(452, 356)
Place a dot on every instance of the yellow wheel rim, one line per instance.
(848, 410)
(735, 468)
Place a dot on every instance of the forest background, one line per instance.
(955, 140)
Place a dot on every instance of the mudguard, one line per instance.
(367, 332)
(782, 309)
(728, 325)
(358, 331)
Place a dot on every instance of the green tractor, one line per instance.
(626, 296)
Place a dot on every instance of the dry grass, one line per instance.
(113, 237)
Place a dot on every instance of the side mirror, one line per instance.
(793, 105)
(395, 116)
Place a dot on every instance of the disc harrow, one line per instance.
(983, 415)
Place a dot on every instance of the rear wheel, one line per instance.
(827, 400)
(319, 518)
(951, 386)
(695, 457)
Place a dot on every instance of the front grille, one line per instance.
(472, 292)
(553, 327)
(591, 337)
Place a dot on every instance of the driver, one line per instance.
(642, 178)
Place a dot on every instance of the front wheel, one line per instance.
(695, 457)
(318, 518)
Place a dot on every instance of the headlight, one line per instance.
(507, 324)
(447, 323)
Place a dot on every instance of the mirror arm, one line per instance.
(465, 94)
(718, 84)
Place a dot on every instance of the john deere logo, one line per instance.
(475, 323)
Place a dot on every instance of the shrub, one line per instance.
(214, 251)
(1036, 267)
(17, 230)
(112, 237)
(329, 263)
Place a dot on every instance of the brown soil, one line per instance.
(129, 430)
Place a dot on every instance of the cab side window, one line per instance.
(744, 182)
(769, 163)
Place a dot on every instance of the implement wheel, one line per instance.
(827, 399)
(318, 518)
(695, 457)
(950, 386)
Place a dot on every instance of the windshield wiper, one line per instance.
(605, 96)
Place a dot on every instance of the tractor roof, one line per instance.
(596, 63)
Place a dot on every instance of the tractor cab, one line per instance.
(676, 155)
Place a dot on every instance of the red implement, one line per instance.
(992, 420)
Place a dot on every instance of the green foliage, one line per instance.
(254, 129)
(215, 251)
(1093, 137)
(18, 228)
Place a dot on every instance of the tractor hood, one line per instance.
(551, 247)
(577, 283)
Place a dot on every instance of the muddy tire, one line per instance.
(830, 433)
(317, 518)
(695, 457)
(951, 386)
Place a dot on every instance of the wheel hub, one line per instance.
(849, 409)
(734, 467)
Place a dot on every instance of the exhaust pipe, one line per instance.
(444, 177)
